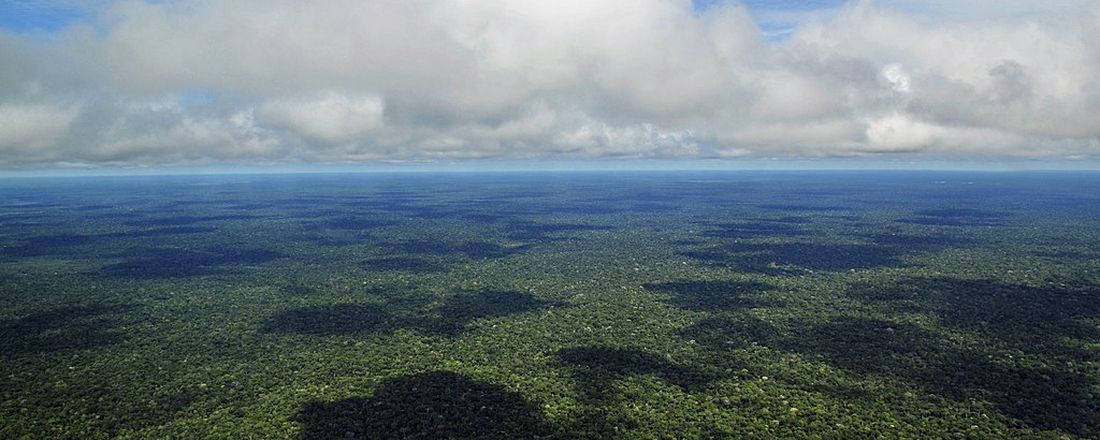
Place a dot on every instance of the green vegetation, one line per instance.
(693, 305)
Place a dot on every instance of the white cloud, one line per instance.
(33, 127)
(990, 9)
(155, 130)
(900, 133)
(331, 119)
(350, 80)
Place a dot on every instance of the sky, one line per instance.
(87, 84)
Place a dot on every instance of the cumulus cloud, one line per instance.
(331, 119)
(28, 128)
(199, 81)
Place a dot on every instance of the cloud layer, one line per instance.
(350, 80)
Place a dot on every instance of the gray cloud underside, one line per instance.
(348, 81)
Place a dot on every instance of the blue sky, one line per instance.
(43, 16)
(777, 18)
(352, 82)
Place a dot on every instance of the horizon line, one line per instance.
(259, 171)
